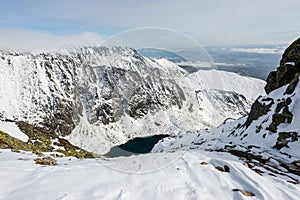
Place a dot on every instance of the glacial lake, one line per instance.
(138, 145)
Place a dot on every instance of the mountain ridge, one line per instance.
(99, 97)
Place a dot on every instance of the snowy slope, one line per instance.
(98, 97)
(249, 87)
(186, 178)
(267, 139)
(259, 131)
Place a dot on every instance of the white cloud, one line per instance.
(259, 50)
(25, 40)
(230, 64)
(201, 64)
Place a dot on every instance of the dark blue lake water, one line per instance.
(139, 145)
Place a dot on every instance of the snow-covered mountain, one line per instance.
(254, 157)
(98, 97)
(268, 139)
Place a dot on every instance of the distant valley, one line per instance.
(256, 61)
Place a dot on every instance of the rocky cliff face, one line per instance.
(97, 97)
(54, 90)
(288, 69)
(281, 87)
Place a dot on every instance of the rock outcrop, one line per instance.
(286, 74)
(288, 69)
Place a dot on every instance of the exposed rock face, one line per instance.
(292, 53)
(282, 114)
(287, 73)
(284, 75)
(289, 67)
(284, 138)
(277, 114)
(292, 86)
(259, 108)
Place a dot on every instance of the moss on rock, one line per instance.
(8, 142)
(40, 140)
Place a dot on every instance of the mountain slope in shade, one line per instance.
(204, 107)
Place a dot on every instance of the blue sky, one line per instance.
(210, 22)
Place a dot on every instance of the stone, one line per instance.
(45, 161)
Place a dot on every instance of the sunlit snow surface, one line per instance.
(186, 178)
